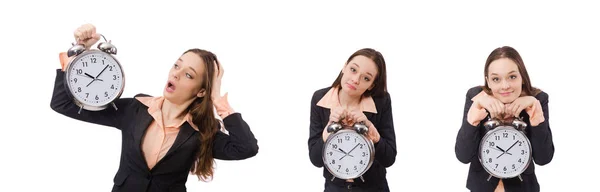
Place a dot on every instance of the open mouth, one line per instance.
(170, 87)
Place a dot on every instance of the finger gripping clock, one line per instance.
(348, 153)
(505, 150)
(94, 78)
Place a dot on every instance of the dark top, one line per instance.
(385, 149)
(467, 147)
(132, 118)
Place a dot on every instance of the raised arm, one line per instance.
(468, 137)
(385, 149)
(541, 135)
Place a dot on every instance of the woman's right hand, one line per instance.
(86, 35)
(336, 115)
(494, 106)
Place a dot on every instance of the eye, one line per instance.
(513, 77)
(188, 75)
(495, 79)
(352, 69)
(367, 79)
(175, 66)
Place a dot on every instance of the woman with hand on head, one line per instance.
(165, 138)
(507, 94)
(359, 94)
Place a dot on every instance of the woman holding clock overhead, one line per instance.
(506, 94)
(164, 138)
(358, 94)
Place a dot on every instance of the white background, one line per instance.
(276, 54)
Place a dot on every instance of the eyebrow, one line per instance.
(513, 71)
(189, 66)
(368, 73)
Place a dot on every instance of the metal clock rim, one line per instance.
(68, 86)
(370, 146)
(504, 127)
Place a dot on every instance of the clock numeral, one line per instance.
(355, 168)
(330, 153)
(75, 80)
(339, 140)
(85, 64)
(333, 161)
(487, 151)
(496, 165)
(93, 60)
(347, 138)
(497, 137)
(78, 89)
(334, 146)
(87, 95)
(109, 67)
(103, 63)
(347, 170)
(519, 160)
(79, 71)
(513, 166)
(112, 87)
(504, 168)
(505, 135)
(361, 162)
(522, 152)
(106, 94)
(520, 143)
(489, 160)
(114, 77)
(364, 154)
(492, 144)
(360, 145)
(339, 167)
(96, 97)
(514, 137)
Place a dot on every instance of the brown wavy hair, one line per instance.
(203, 117)
(380, 82)
(512, 54)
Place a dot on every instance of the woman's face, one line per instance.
(358, 75)
(185, 79)
(504, 79)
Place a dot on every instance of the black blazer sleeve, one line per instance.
(315, 139)
(541, 136)
(385, 149)
(63, 103)
(468, 138)
(239, 144)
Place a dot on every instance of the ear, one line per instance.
(201, 93)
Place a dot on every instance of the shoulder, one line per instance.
(143, 98)
(473, 91)
(542, 96)
(318, 94)
(382, 100)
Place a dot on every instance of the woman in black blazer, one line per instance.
(359, 94)
(507, 93)
(148, 162)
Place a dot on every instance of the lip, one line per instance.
(350, 86)
(505, 94)
(170, 89)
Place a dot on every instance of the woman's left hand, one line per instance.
(216, 81)
(358, 116)
(519, 105)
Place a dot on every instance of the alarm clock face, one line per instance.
(95, 78)
(347, 154)
(505, 152)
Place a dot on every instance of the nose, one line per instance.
(175, 74)
(505, 85)
(355, 79)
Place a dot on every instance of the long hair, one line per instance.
(512, 54)
(380, 82)
(203, 117)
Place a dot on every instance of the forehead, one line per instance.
(365, 64)
(190, 59)
(502, 66)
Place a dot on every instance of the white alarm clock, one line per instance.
(348, 153)
(505, 150)
(94, 78)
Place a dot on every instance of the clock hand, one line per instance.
(90, 76)
(90, 83)
(512, 145)
(353, 148)
(101, 72)
(503, 151)
(345, 152)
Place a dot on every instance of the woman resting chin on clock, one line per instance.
(165, 138)
(507, 93)
(359, 94)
